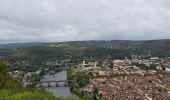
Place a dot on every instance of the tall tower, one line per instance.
(95, 64)
(84, 62)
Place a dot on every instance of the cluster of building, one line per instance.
(92, 67)
(132, 87)
(16, 74)
(129, 79)
(122, 67)
(23, 76)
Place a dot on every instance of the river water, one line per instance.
(57, 91)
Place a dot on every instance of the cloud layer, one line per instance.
(65, 20)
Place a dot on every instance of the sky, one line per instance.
(72, 20)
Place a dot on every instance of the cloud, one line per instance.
(64, 20)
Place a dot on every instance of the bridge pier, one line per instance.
(65, 83)
(48, 84)
(41, 84)
(57, 84)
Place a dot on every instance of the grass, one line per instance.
(14, 94)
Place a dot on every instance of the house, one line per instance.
(154, 58)
(159, 67)
(151, 72)
(119, 62)
(167, 69)
(38, 72)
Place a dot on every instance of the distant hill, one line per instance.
(154, 47)
(101, 49)
(37, 54)
(118, 44)
(19, 45)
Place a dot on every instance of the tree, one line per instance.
(135, 63)
(3, 67)
(3, 73)
(95, 93)
(152, 67)
(83, 79)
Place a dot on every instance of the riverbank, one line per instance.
(60, 90)
(80, 80)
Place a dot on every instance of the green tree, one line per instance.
(95, 93)
(3, 74)
(3, 67)
(83, 79)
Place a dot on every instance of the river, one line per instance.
(57, 91)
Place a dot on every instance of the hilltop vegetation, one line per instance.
(82, 48)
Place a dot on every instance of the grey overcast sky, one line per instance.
(65, 20)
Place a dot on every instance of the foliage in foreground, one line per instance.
(12, 94)
(30, 95)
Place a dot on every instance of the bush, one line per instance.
(12, 84)
(32, 96)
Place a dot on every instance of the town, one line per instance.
(132, 79)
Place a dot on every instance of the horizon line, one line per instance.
(27, 42)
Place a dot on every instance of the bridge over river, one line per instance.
(51, 80)
(55, 83)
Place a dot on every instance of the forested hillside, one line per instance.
(88, 48)
(39, 53)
